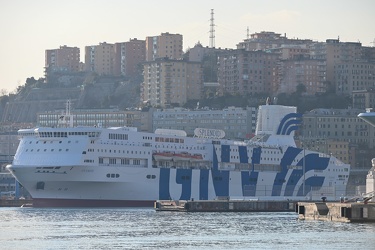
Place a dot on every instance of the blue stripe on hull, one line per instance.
(183, 177)
(249, 179)
(287, 159)
(164, 184)
(220, 179)
(203, 184)
(312, 181)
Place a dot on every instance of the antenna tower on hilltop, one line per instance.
(212, 30)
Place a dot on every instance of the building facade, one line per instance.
(171, 82)
(243, 72)
(335, 52)
(339, 124)
(302, 71)
(364, 99)
(267, 40)
(63, 59)
(237, 123)
(128, 57)
(166, 45)
(91, 117)
(100, 59)
(354, 76)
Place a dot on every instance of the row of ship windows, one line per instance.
(45, 142)
(119, 151)
(65, 134)
(123, 161)
(45, 150)
(181, 147)
(175, 140)
(276, 151)
(111, 175)
(118, 136)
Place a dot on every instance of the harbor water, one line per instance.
(143, 228)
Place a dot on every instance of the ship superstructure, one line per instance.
(94, 166)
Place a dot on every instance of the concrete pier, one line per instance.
(335, 211)
(224, 206)
(15, 203)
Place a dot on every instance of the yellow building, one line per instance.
(63, 59)
(169, 82)
(100, 58)
(166, 45)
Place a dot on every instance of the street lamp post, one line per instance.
(304, 171)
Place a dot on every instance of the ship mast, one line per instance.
(66, 120)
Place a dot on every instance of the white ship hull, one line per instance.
(116, 167)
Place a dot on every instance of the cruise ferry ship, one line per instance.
(70, 166)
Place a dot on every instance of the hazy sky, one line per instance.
(28, 28)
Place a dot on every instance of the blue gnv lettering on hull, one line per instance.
(220, 181)
(249, 179)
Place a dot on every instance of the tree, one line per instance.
(301, 88)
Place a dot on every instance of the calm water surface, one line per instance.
(34, 228)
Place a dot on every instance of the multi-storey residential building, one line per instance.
(237, 123)
(64, 59)
(90, 58)
(302, 71)
(353, 76)
(339, 149)
(368, 53)
(288, 52)
(248, 72)
(198, 52)
(166, 45)
(169, 82)
(335, 52)
(363, 99)
(266, 40)
(342, 125)
(128, 57)
(339, 124)
(100, 58)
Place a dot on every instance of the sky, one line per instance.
(28, 28)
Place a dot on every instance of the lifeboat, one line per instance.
(196, 157)
(163, 156)
(183, 156)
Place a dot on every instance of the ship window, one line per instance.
(67, 149)
(108, 175)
